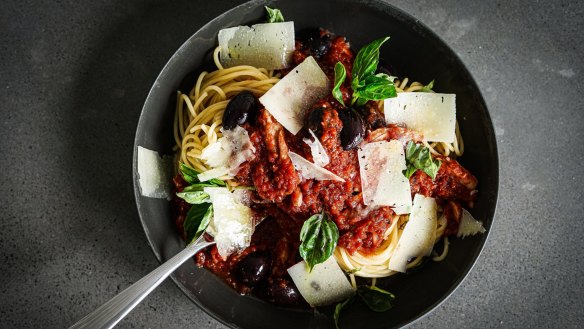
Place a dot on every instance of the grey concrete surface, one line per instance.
(74, 75)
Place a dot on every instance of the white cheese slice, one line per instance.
(469, 226)
(269, 45)
(227, 154)
(325, 284)
(418, 236)
(319, 155)
(381, 166)
(309, 170)
(154, 174)
(232, 224)
(290, 98)
(431, 114)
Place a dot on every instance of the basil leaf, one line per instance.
(366, 61)
(319, 237)
(340, 75)
(274, 15)
(340, 306)
(427, 88)
(376, 298)
(419, 157)
(194, 197)
(190, 176)
(197, 220)
(375, 88)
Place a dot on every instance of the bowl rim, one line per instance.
(370, 3)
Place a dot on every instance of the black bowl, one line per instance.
(413, 50)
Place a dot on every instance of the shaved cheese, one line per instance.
(325, 284)
(227, 154)
(232, 224)
(469, 226)
(154, 174)
(269, 46)
(432, 114)
(418, 236)
(290, 98)
(309, 170)
(381, 166)
(213, 173)
(319, 155)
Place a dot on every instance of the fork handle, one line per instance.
(110, 313)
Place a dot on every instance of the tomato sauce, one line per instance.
(287, 201)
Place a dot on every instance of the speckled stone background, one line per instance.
(74, 75)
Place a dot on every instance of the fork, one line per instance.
(114, 310)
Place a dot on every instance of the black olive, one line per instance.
(254, 268)
(241, 108)
(372, 117)
(284, 292)
(314, 121)
(318, 46)
(315, 42)
(353, 128)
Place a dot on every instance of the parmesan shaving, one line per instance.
(383, 183)
(227, 154)
(268, 46)
(325, 284)
(154, 174)
(417, 239)
(431, 114)
(309, 170)
(469, 226)
(232, 224)
(290, 98)
(319, 155)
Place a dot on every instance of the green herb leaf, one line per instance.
(340, 306)
(274, 15)
(197, 220)
(376, 298)
(190, 176)
(194, 197)
(319, 237)
(365, 83)
(427, 88)
(375, 88)
(340, 75)
(419, 157)
(366, 61)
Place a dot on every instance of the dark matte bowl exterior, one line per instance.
(415, 52)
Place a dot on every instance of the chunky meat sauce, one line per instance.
(287, 201)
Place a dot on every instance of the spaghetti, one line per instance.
(199, 114)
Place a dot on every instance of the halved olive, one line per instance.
(353, 128)
(314, 121)
(372, 117)
(240, 109)
(254, 268)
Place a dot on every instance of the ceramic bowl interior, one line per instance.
(413, 51)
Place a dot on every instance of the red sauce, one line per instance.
(288, 201)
